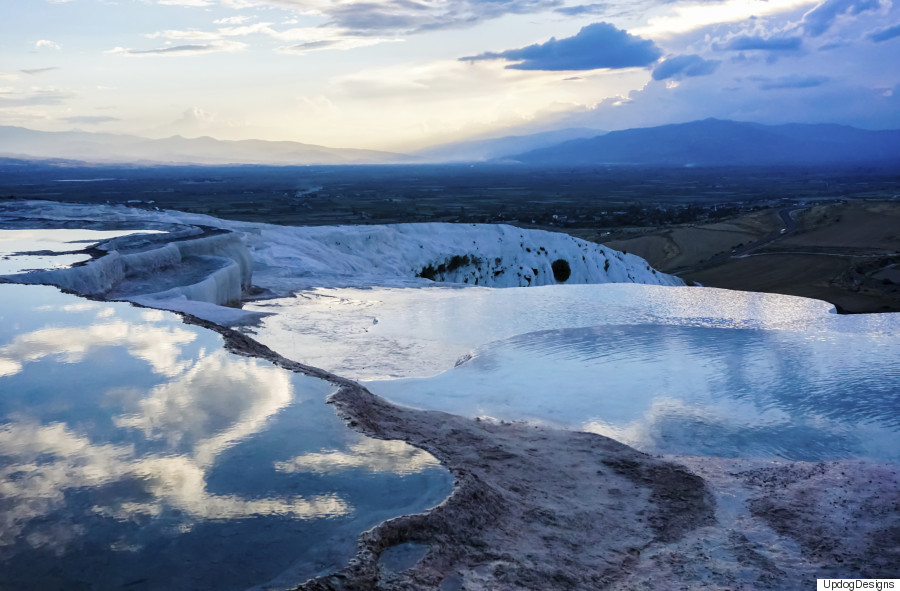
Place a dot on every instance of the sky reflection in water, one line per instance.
(135, 451)
(695, 390)
(57, 248)
(682, 370)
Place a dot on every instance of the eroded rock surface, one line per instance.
(534, 508)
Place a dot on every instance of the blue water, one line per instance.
(135, 452)
(41, 248)
(824, 393)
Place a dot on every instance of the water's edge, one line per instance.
(536, 507)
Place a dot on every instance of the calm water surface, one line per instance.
(828, 392)
(43, 248)
(135, 452)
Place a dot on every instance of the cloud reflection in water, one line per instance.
(370, 454)
(210, 404)
(133, 448)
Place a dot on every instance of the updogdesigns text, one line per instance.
(848, 584)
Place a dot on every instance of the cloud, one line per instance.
(318, 106)
(243, 30)
(397, 457)
(211, 402)
(197, 121)
(215, 402)
(798, 99)
(758, 43)
(55, 459)
(311, 38)
(302, 48)
(159, 347)
(39, 70)
(885, 34)
(47, 43)
(181, 50)
(38, 97)
(197, 3)
(91, 119)
(176, 482)
(230, 31)
(340, 43)
(197, 115)
(792, 81)
(581, 9)
(427, 15)
(232, 20)
(369, 17)
(184, 411)
(819, 19)
(684, 65)
(600, 45)
(189, 35)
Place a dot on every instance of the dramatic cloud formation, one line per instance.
(822, 17)
(600, 45)
(885, 34)
(684, 65)
(387, 74)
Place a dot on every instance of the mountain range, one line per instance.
(108, 148)
(710, 142)
(713, 142)
(493, 148)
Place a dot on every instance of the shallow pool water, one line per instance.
(135, 452)
(387, 333)
(691, 390)
(679, 370)
(29, 249)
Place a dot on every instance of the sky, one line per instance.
(406, 74)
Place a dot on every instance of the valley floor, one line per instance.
(845, 253)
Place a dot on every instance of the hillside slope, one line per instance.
(114, 148)
(713, 142)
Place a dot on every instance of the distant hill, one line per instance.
(18, 142)
(710, 142)
(479, 150)
(714, 142)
